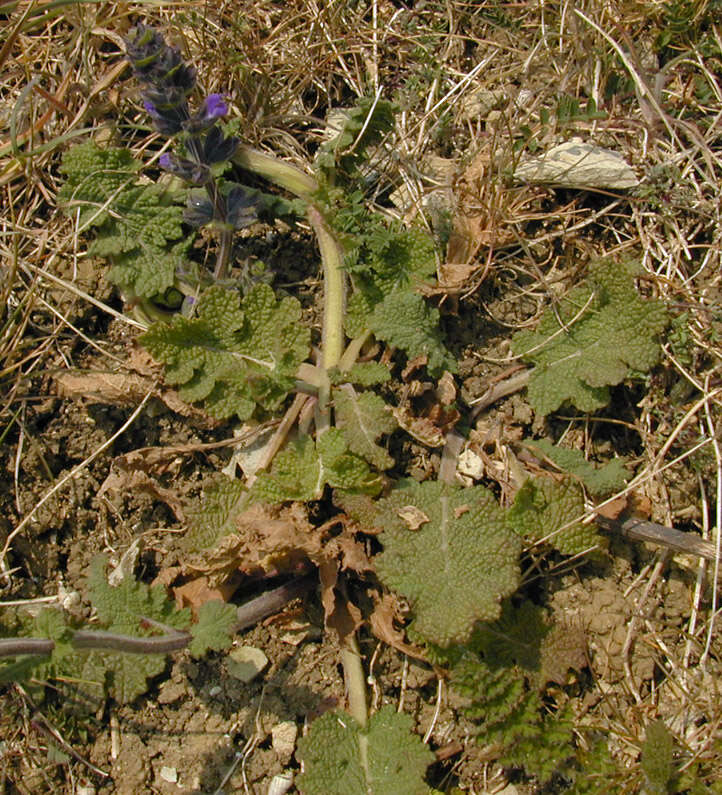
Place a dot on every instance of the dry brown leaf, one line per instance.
(421, 428)
(342, 616)
(613, 509)
(413, 516)
(268, 540)
(412, 366)
(446, 389)
(122, 389)
(452, 275)
(386, 611)
(138, 481)
(197, 592)
(349, 551)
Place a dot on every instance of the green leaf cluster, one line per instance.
(383, 758)
(363, 418)
(64, 660)
(592, 339)
(138, 224)
(513, 718)
(388, 262)
(120, 609)
(304, 468)
(235, 355)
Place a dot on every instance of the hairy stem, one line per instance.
(225, 244)
(277, 171)
(334, 286)
(247, 615)
(353, 674)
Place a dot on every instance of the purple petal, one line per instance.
(151, 109)
(214, 107)
(164, 161)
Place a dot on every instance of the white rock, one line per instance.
(283, 739)
(169, 774)
(471, 464)
(281, 783)
(578, 164)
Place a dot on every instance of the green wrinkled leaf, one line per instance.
(546, 509)
(138, 225)
(334, 749)
(363, 418)
(457, 564)
(302, 469)
(237, 354)
(607, 331)
(405, 320)
(214, 628)
(214, 517)
(599, 480)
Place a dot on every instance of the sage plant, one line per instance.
(166, 84)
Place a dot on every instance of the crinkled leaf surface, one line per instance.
(94, 178)
(607, 329)
(396, 759)
(362, 374)
(136, 223)
(405, 320)
(120, 609)
(215, 516)
(235, 355)
(458, 563)
(513, 718)
(363, 418)
(599, 480)
(302, 469)
(213, 630)
(49, 623)
(544, 508)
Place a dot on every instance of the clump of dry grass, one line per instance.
(478, 85)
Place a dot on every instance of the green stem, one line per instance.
(334, 290)
(353, 674)
(348, 359)
(277, 171)
(225, 243)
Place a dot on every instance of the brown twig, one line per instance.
(247, 615)
(642, 530)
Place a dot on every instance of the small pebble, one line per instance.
(169, 774)
(246, 663)
(283, 739)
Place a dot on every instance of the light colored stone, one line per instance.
(246, 663)
(283, 739)
(578, 164)
(471, 464)
(169, 774)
